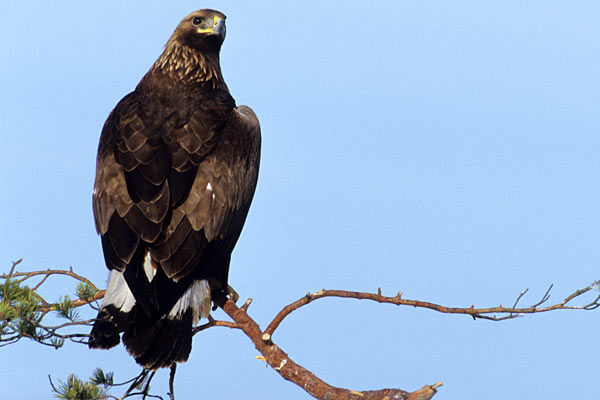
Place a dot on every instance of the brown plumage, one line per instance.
(176, 171)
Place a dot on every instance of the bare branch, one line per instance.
(212, 322)
(293, 372)
(545, 298)
(27, 275)
(14, 265)
(76, 303)
(519, 298)
(474, 312)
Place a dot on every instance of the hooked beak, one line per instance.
(217, 28)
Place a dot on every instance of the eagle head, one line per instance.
(203, 30)
(191, 55)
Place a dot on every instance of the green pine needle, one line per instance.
(64, 308)
(84, 291)
(18, 309)
(101, 378)
(57, 342)
(77, 389)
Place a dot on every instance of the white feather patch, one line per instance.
(197, 297)
(118, 293)
(149, 268)
(210, 189)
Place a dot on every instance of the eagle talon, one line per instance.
(233, 295)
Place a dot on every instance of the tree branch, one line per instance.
(474, 312)
(293, 372)
(275, 357)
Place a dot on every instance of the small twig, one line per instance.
(10, 273)
(578, 293)
(27, 275)
(126, 382)
(40, 283)
(246, 304)
(519, 298)
(53, 329)
(212, 322)
(592, 306)
(10, 340)
(172, 381)
(135, 383)
(14, 265)
(544, 298)
(146, 389)
(52, 384)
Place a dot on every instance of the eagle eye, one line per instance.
(197, 21)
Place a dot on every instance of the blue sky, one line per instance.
(447, 150)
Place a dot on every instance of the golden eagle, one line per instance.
(176, 172)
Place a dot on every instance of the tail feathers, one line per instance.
(116, 313)
(105, 333)
(153, 343)
(161, 343)
(156, 339)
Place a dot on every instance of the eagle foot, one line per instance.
(233, 295)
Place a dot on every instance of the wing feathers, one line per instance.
(139, 188)
(180, 184)
(166, 250)
(156, 210)
(186, 257)
(134, 142)
(158, 169)
(147, 230)
(119, 244)
(149, 150)
(175, 184)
